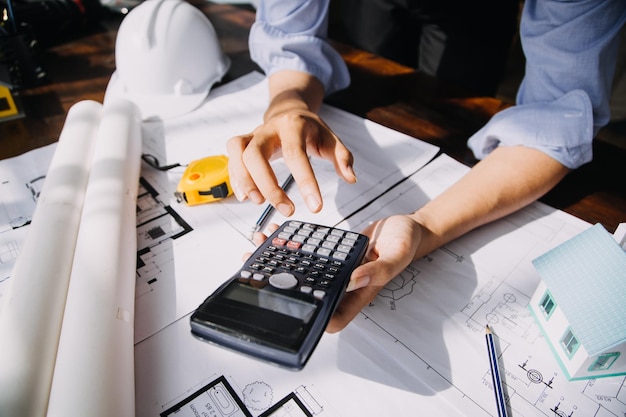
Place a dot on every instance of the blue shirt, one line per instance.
(291, 35)
(570, 48)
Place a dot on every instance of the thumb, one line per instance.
(375, 273)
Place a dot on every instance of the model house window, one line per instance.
(604, 361)
(547, 304)
(569, 342)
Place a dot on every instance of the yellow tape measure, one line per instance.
(8, 106)
(204, 181)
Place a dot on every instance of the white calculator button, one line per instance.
(306, 289)
(344, 248)
(328, 245)
(333, 238)
(258, 277)
(245, 274)
(323, 252)
(313, 241)
(283, 280)
(340, 255)
(348, 242)
(284, 235)
(319, 294)
(308, 248)
(318, 235)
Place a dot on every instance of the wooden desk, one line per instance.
(381, 90)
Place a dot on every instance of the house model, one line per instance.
(580, 304)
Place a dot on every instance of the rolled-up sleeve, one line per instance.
(291, 35)
(571, 49)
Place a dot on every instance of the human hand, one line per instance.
(296, 133)
(394, 242)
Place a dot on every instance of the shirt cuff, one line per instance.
(274, 51)
(562, 129)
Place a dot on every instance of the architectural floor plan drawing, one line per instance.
(420, 345)
(219, 398)
(437, 310)
(20, 183)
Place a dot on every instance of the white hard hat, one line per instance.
(167, 58)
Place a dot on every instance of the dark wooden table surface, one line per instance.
(381, 90)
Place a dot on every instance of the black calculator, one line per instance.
(277, 306)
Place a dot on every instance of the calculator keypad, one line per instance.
(302, 257)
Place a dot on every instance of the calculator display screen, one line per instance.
(273, 301)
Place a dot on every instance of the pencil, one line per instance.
(495, 374)
(270, 208)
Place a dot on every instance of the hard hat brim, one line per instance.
(155, 106)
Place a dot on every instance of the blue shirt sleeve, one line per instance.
(571, 49)
(291, 35)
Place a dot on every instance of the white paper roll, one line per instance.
(30, 320)
(94, 374)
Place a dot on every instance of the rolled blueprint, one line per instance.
(30, 320)
(94, 374)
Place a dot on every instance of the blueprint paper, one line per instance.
(186, 365)
(382, 156)
(432, 317)
(32, 310)
(94, 371)
(186, 252)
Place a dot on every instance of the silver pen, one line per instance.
(269, 209)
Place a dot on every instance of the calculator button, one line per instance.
(306, 289)
(314, 275)
(314, 241)
(323, 251)
(308, 248)
(258, 277)
(344, 248)
(340, 255)
(283, 281)
(294, 245)
(304, 232)
(319, 294)
(348, 242)
(290, 229)
(298, 238)
(318, 235)
(245, 274)
(328, 245)
(277, 241)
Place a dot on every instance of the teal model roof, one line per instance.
(586, 276)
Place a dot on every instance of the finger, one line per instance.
(257, 163)
(351, 304)
(298, 162)
(240, 179)
(343, 162)
(332, 149)
(258, 238)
